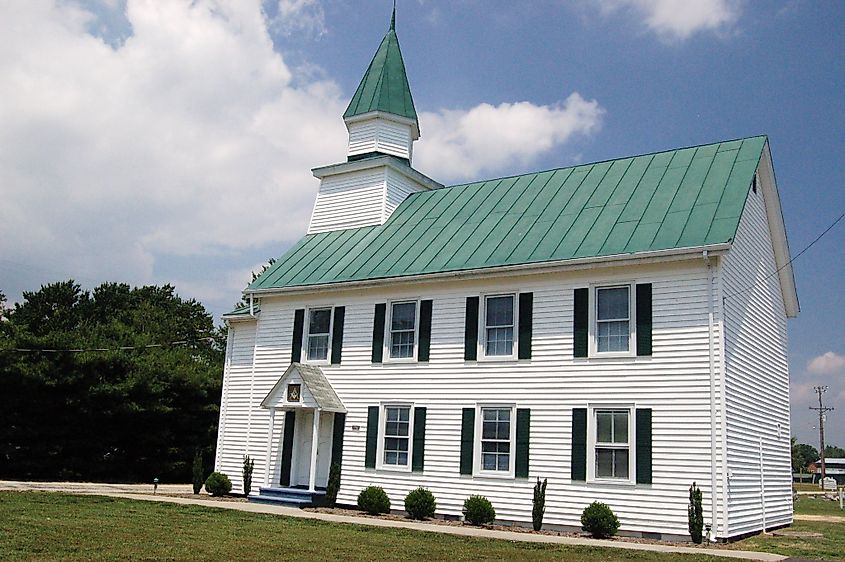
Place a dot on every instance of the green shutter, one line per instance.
(471, 330)
(287, 447)
(372, 437)
(337, 437)
(523, 432)
(337, 334)
(418, 455)
(644, 319)
(643, 445)
(581, 313)
(467, 439)
(425, 331)
(578, 465)
(296, 345)
(526, 320)
(378, 333)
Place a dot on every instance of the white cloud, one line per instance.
(488, 139)
(828, 364)
(675, 20)
(306, 16)
(190, 137)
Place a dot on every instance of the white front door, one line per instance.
(301, 461)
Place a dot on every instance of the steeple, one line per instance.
(384, 98)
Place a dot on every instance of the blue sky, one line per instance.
(158, 142)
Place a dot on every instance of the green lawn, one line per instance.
(51, 526)
(831, 546)
(817, 506)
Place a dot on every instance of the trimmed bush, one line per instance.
(197, 472)
(333, 485)
(479, 511)
(249, 464)
(218, 484)
(695, 514)
(599, 520)
(539, 503)
(374, 500)
(420, 504)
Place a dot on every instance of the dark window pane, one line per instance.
(403, 316)
(319, 321)
(500, 311)
(612, 303)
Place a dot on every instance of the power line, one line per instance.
(106, 349)
(798, 255)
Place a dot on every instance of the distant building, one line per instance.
(834, 468)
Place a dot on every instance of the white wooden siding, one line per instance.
(235, 429)
(349, 200)
(757, 378)
(674, 382)
(380, 135)
(399, 187)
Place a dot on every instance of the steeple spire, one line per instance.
(384, 87)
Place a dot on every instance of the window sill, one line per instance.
(497, 359)
(493, 475)
(612, 482)
(396, 469)
(399, 360)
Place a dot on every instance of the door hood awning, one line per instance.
(316, 391)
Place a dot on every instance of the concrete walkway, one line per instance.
(466, 531)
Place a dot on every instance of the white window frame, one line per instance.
(632, 321)
(306, 333)
(388, 339)
(380, 464)
(479, 426)
(592, 431)
(482, 327)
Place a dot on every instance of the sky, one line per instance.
(172, 142)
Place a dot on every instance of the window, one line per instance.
(319, 328)
(496, 440)
(613, 319)
(498, 325)
(403, 320)
(612, 448)
(397, 426)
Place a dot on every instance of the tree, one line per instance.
(118, 415)
(802, 455)
(833, 452)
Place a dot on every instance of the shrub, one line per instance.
(420, 504)
(695, 514)
(197, 472)
(249, 464)
(333, 485)
(218, 484)
(599, 520)
(479, 511)
(374, 500)
(539, 503)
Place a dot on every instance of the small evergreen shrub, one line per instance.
(333, 485)
(695, 514)
(420, 504)
(249, 464)
(539, 503)
(374, 500)
(599, 520)
(218, 484)
(479, 511)
(197, 472)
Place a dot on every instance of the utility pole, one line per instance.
(822, 410)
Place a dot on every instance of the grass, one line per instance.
(830, 546)
(810, 505)
(805, 487)
(53, 526)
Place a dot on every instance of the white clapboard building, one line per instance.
(618, 328)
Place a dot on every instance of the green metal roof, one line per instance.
(682, 198)
(385, 85)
